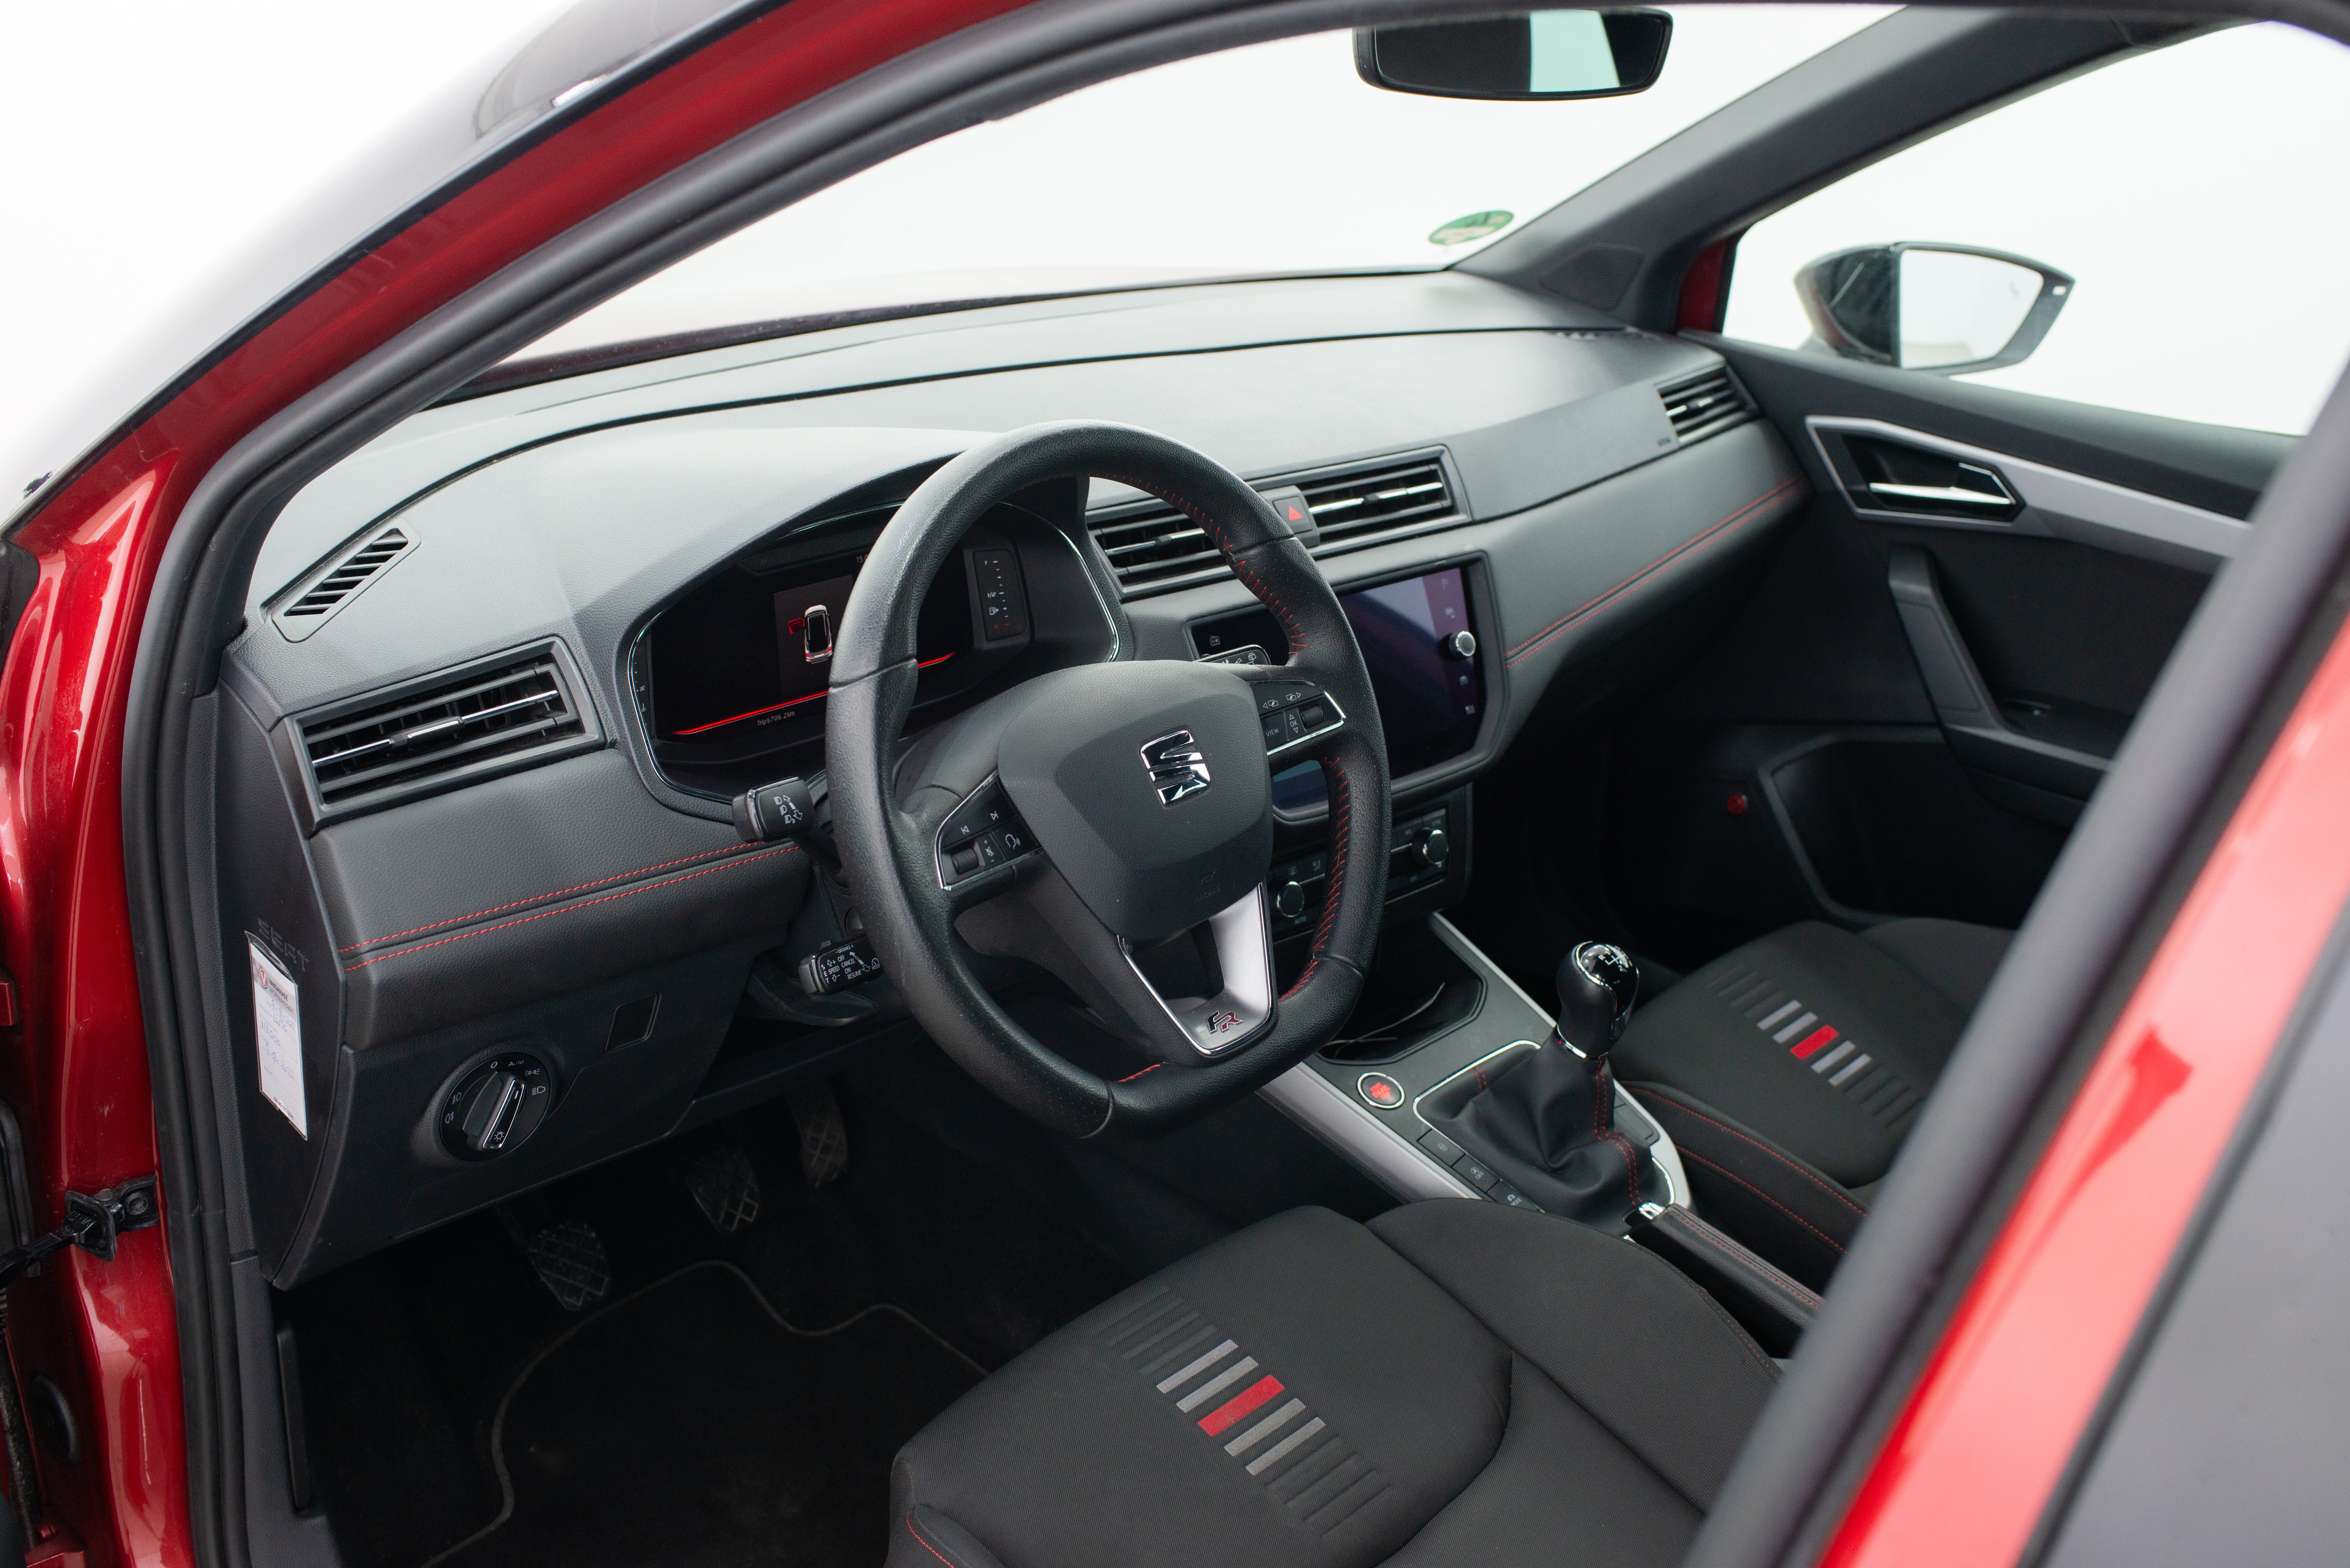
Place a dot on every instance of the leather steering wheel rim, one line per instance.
(890, 852)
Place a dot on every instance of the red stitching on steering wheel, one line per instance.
(1341, 819)
(1241, 568)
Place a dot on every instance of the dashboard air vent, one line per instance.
(1704, 403)
(329, 588)
(1151, 545)
(1373, 502)
(1155, 547)
(444, 730)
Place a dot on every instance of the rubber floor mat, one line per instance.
(688, 1425)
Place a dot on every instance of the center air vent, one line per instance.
(1704, 403)
(454, 728)
(336, 582)
(1378, 502)
(1151, 545)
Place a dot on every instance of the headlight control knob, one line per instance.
(1290, 902)
(1460, 645)
(1436, 848)
(494, 1107)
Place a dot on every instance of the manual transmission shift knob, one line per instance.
(1597, 983)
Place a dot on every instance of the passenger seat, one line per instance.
(1789, 1072)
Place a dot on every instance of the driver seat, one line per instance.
(1454, 1382)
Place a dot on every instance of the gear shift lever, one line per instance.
(1555, 1112)
(1596, 984)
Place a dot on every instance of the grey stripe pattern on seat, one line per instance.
(1260, 1424)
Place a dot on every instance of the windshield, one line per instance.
(1274, 159)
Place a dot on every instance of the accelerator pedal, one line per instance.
(824, 1137)
(570, 1262)
(724, 1188)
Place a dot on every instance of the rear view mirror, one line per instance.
(1531, 55)
(1948, 309)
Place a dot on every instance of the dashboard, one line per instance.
(505, 670)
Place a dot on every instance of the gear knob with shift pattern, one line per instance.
(1597, 987)
(1549, 1122)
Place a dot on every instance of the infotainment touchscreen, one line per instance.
(1431, 688)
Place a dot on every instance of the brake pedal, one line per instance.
(570, 1262)
(724, 1188)
(824, 1137)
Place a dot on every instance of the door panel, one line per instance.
(1927, 687)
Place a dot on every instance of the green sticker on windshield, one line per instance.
(1475, 227)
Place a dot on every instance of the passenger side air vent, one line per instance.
(1151, 545)
(1704, 403)
(454, 728)
(331, 585)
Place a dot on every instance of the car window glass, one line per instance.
(2193, 196)
(1276, 159)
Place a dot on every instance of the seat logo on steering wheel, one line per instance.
(1177, 766)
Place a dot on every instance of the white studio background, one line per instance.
(146, 146)
(1274, 158)
(2200, 194)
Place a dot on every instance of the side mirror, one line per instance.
(1950, 309)
(1531, 56)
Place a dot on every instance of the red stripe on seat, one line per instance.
(1811, 1042)
(1239, 1405)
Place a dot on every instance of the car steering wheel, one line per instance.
(1140, 803)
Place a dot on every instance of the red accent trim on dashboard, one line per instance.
(1969, 1468)
(757, 713)
(753, 713)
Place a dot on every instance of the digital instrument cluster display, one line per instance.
(749, 656)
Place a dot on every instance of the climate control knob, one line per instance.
(1289, 902)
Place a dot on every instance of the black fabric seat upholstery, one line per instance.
(1456, 1382)
(1789, 1072)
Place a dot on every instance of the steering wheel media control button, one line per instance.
(1379, 1091)
(1446, 1152)
(1295, 711)
(981, 834)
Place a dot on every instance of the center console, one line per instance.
(1382, 1110)
(1438, 1022)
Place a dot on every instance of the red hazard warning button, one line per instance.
(1288, 503)
(1380, 1090)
